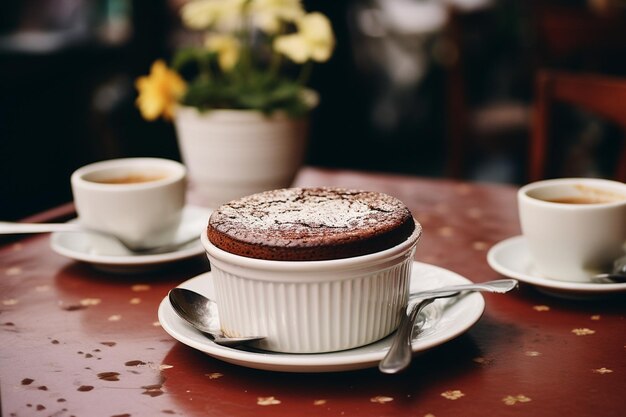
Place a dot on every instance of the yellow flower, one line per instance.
(314, 40)
(227, 48)
(203, 14)
(199, 14)
(159, 91)
(269, 14)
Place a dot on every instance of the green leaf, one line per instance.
(256, 91)
(184, 57)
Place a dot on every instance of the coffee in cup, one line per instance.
(574, 227)
(139, 200)
(131, 178)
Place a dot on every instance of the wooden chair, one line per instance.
(470, 126)
(571, 36)
(563, 35)
(604, 96)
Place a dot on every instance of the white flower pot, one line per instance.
(233, 153)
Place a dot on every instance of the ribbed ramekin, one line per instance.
(312, 306)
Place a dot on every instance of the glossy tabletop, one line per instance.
(77, 341)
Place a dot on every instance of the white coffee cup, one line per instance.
(139, 200)
(574, 227)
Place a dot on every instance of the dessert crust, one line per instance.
(308, 224)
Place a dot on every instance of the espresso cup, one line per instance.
(138, 200)
(574, 227)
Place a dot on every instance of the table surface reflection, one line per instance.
(81, 342)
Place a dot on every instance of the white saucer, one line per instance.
(447, 319)
(109, 255)
(511, 258)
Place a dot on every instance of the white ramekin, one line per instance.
(312, 306)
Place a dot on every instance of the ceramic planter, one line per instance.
(233, 153)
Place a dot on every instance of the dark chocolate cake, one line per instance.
(310, 224)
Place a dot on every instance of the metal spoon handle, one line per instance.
(498, 286)
(608, 278)
(7, 228)
(234, 341)
(399, 355)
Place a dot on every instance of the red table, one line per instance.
(79, 342)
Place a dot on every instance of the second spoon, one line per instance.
(399, 355)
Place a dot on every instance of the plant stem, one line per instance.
(246, 41)
(275, 62)
(276, 58)
(205, 68)
(305, 73)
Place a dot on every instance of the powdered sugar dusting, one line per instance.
(310, 224)
(311, 208)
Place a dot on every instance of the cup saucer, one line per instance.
(447, 319)
(511, 258)
(109, 255)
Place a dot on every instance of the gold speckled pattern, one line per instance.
(76, 341)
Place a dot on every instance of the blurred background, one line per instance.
(435, 88)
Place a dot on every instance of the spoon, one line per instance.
(201, 313)
(399, 355)
(618, 274)
(17, 228)
(496, 286)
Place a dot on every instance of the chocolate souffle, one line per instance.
(310, 224)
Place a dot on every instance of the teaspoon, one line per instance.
(618, 274)
(201, 312)
(399, 355)
(496, 286)
(18, 228)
